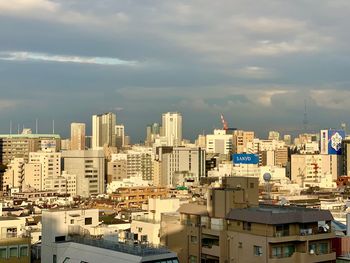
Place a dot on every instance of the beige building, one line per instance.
(89, 168)
(103, 130)
(50, 165)
(14, 175)
(77, 136)
(233, 227)
(14, 244)
(64, 184)
(241, 139)
(32, 178)
(172, 128)
(20, 145)
(117, 170)
(309, 169)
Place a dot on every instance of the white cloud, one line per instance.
(6, 104)
(33, 56)
(255, 72)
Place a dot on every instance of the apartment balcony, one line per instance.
(299, 257)
(212, 250)
(304, 236)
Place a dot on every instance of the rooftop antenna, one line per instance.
(305, 120)
(10, 126)
(53, 126)
(36, 125)
(18, 128)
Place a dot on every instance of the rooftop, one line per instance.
(134, 249)
(274, 215)
(56, 136)
(7, 218)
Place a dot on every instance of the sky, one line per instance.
(255, 62)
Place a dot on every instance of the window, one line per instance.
(240, 245)
(257, 250)
(288, 250)
(13, 251)
(251, 185)
(312, 248)
(72, 221)
(247, 226)
(193, 239)
(276, 252)
(193, 259)
(88, 221)
(54, 258)
(322, 248)
(23, 251)
(3, 253)
(60, 238)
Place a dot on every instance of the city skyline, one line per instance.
(256, 65)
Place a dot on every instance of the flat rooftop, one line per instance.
(14, 136)
(134, 249)
(274, 215)
(7, 218)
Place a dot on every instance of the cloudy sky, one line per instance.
(254, 61)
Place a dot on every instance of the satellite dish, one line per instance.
(267, 177)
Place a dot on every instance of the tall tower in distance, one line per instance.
(77, 136)
(103, 130)
(172, 128)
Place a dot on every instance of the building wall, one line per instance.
(77, 141)
(89, 168)
(172, 128)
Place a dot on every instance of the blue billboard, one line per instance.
(245, 158)
(335, 138)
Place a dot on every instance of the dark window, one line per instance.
(247, 226)
(60, 238)
(88, 221)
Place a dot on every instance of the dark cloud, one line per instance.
(256, 62)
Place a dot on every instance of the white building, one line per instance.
(310, 169)
(70, 236)
(148, 226)
(103, 130)
(176, 160)
(64, 184)
(172, 128)
(219, 142)
(89, 168)
(77, 136)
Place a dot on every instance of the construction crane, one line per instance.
(224, 123)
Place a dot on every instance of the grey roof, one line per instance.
(275, 215)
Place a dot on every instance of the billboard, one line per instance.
(245, 158)
(335, 138)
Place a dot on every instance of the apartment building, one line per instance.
(233, 227)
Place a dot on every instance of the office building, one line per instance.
(120, 135)
(177, 163)
(20, 145)
(172, 128)
(77, 136)
(241, 139)
(274, 135)
(89, 168)
(103, 130)
(219, 142)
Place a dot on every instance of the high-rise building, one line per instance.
(274, 135)
(103, 130)
(77, 136)
(172, 128)
(152, 132)
(241, 139)
(120, 135)
(89, 168)
(219, 142)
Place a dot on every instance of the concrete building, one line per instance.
(14, 175)
(77, 136)
(120, 136)
(152, 133)
(117, 170)
(241, 139)
(20, 145)
(69, 236)
(172, 128)
(50, 165)
(89, 168)
(346, 157)
(14, 242)
(233, 227)
(274, 135)
(147, 227)
(64, 184)
(33, 178)
(176, 160)
(219, 142)
(103, 130)
(308, 170)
